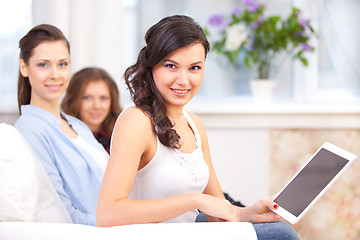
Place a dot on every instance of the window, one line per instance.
(334, 73)
(15, 21)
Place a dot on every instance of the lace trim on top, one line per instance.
(194, 162)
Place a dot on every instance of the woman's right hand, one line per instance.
(219, 208)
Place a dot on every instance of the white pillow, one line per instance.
(26, 193)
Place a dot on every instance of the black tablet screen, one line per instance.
(313, 178)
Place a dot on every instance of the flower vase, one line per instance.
(262, 90)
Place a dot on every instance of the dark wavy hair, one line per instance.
(75, 92)
(37, 35)
(166, 36)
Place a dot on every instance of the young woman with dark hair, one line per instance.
(160, 168)
(93, 97)
(74, 160)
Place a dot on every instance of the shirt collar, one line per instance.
(42, 113)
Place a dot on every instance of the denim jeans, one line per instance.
(279, 230)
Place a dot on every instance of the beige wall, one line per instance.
(336, 215)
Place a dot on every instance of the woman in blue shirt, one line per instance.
(72, 157)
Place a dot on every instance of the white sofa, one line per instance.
(31, 209)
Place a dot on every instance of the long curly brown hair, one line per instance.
(166, 36)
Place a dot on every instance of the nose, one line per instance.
(96, 103)
(183, 78)
(54, 72)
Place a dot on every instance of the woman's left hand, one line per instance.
(259, 212)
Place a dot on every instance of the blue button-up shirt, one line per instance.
(72, 170)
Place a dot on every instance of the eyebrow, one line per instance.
(194, 63)
(47, 60)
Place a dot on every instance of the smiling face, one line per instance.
(179, 75)
(48, 71)
(95, 104)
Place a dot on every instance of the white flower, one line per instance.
(235, 36)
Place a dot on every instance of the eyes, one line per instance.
(196, 68)
(174, 66)
(64, 64)
(169, 65)
(91, 98)
(46, 64)
(42, 65)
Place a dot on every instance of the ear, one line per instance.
(24, 68)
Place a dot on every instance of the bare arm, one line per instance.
(134, 145)
(258, 212)
(213, 187)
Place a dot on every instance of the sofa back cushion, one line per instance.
(26, 193)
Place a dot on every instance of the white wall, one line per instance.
(93, 28)
(240, 159)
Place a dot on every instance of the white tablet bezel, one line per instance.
(331, 148)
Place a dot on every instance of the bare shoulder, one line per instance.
(132, 126)
(133, 120)
(134, 112)
(134, 116)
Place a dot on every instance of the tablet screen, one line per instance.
(311, 180)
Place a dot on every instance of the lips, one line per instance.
(54, 87)
(180, 92)
(95, 115)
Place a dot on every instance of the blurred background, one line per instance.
(256, 146)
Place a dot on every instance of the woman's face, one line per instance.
(179, 75)
(48, 71)
(95, 104)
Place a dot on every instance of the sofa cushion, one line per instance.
(26, 193)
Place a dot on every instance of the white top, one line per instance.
(172, 173)
(99, 157)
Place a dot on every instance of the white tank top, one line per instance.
(172, 173)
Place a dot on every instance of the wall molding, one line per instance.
(277, 116)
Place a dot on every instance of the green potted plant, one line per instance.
(260, 39)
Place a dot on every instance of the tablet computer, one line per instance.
(311, 181)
